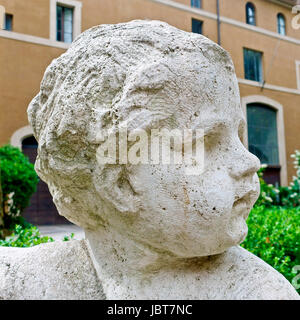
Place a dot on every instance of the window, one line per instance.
(253, 65)
(262, 138)
(250, 14)
(64, 19)
(196, 3)
(281, 24)
(8, 22)
(29, 142)
(41, 209)
(197, 26)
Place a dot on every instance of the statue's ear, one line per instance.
(113, 185)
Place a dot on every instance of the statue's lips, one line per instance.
(243, 204)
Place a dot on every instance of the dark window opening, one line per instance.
(281, 29)
(250, 14)
(253, 65)
(263, 139)
(8, 22)
(64, 24)
(29, 142)
(41, 210)
(197, 26)
(196, 3)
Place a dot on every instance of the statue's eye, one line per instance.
(212, 138)
(215, 134)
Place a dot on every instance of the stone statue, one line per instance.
(152, 230)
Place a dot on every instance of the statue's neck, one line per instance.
(131, 270)
(114, 253)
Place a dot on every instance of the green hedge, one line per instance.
(17, 178)
(25, 237)
(286, 196)
(274, 236)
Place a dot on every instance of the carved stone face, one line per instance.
(164, 78)
(196, 215)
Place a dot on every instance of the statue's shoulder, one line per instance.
(57, 270)
(249, 277)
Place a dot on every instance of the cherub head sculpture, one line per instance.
(147, 75)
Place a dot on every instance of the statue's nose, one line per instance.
(243, 164)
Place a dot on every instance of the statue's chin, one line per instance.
(237, 230)
(198, 252)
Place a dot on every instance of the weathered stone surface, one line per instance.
(146, 75)
(152, 230)
(63, 270)
(234, 275)
(58, 270)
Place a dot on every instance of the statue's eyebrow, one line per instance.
(155, 85)
(214, 126)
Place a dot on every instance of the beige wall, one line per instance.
(207, 5)
(266, 14)
(23, 64)
(29, 16)
(22, 67)
(125, 10)
(278, 56)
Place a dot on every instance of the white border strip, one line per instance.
(239, 24)
(281, 3)
(33, 39)
(19, 135)
(186, 8)
(268, 86)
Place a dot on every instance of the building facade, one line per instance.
(262, 36)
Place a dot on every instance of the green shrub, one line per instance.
(274, 236)
(269, 195)
(18, 181)
(25, 237)
(68, 238)
(290, 196)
